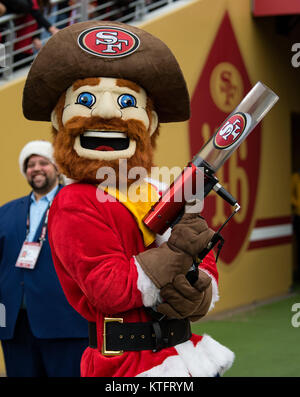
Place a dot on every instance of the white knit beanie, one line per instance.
(40, 148)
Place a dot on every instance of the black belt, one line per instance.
(155, 335)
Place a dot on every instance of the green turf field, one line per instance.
(263, 338)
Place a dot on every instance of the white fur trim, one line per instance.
(171, 366)
(220, 355)
(215, 289)
(197, 361)
(162, 238)
(207, 359)
(150, 293)
(40, 148)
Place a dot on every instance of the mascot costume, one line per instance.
(106, 86)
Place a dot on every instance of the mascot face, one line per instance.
(99, 121)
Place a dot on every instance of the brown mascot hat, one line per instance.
(105, 49)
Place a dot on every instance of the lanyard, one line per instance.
(44, 228)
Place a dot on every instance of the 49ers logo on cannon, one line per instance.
(108, 42)
(230, 131)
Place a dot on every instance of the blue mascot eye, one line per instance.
(126, 101)
(86, 99)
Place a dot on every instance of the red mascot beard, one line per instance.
(85, 170)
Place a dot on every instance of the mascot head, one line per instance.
(105, 86)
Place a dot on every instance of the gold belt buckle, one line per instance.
(110, 352)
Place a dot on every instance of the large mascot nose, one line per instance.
(106, 107)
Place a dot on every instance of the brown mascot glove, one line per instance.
(191, 234)
(188, 238)
(162, 264)
(182, 300)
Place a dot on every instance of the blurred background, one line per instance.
(224, 47)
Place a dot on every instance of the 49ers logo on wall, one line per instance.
(108, 42)
(221, 87)
(230, 132)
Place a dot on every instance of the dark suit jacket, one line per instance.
(49, 313)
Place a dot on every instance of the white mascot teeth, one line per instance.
(105, 134)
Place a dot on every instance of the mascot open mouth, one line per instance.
(104, 140)
(104, 145)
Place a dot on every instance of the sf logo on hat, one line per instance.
(108, 41)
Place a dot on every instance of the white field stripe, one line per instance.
(268, 232)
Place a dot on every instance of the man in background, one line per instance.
(44, 335)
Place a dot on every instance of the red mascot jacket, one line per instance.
(94, 245)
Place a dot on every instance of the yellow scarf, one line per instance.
(139, 201)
